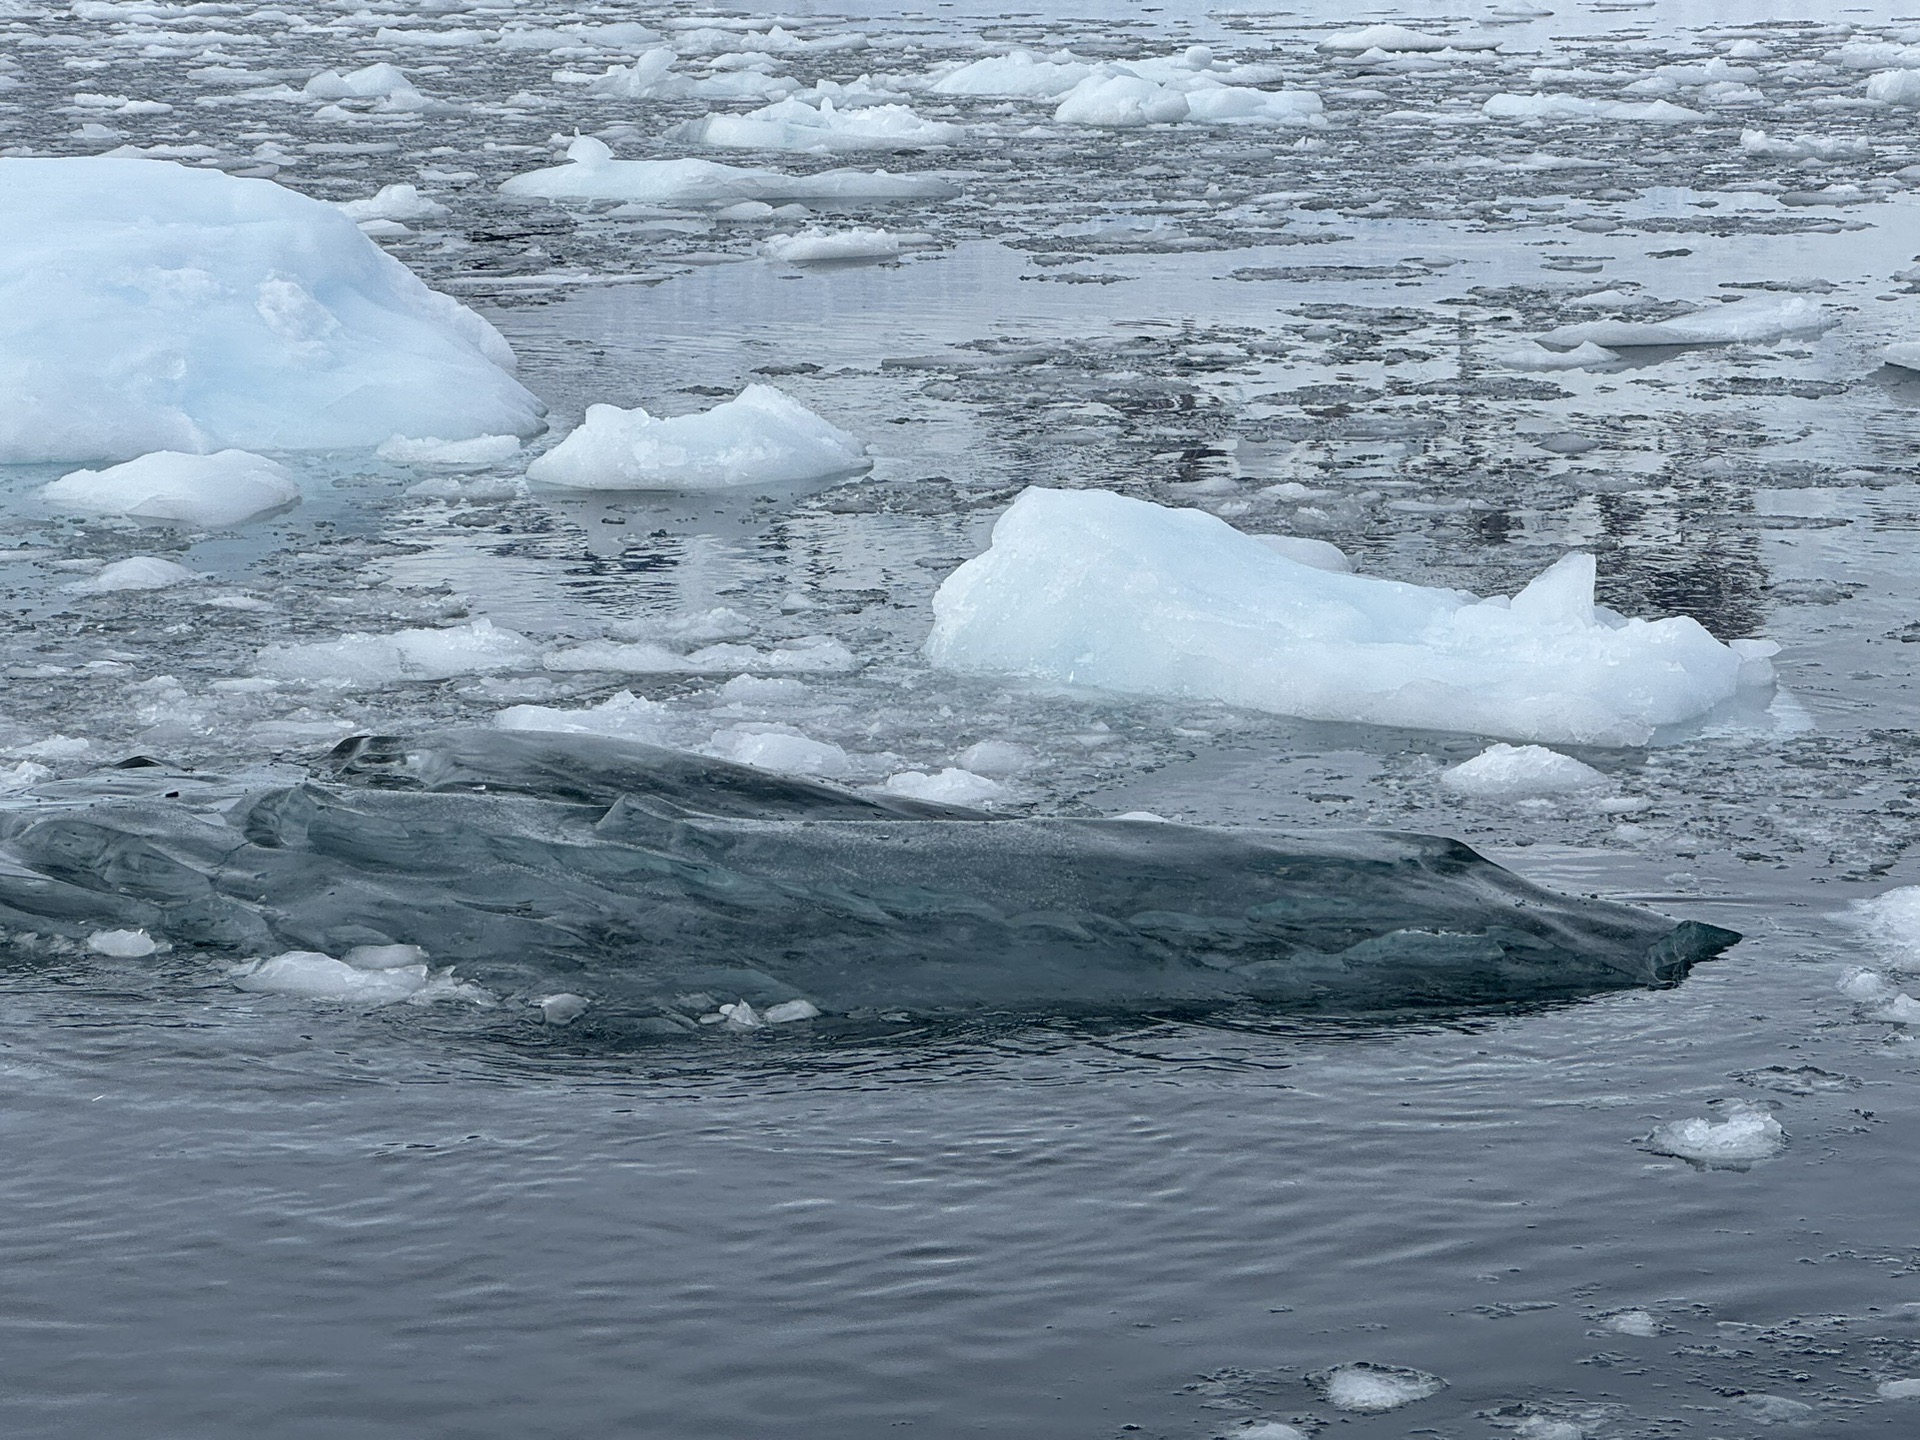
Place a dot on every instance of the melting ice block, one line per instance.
(1748, 1133)
(1120, 102)
(793, 124)
(1092, 588)
(1020, 74)
(1521, 772)
(1749, 321)
(206, 490)
(761, 437)
(591, 173)
(151, 306)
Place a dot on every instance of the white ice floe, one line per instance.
(1578, 109)
(1369, 1389)
(780, 748)
(1638, 1323)
(1906, 355)
(815, 246)
(793, 124)
(1742, 321)
(151, 306)
(1019, 75)
(1216, 104)
(1895, 87)
(360, 661)
(211, 491)
(1892, 920)
(1097, 589)
(561, 1009)
(998, 758)
(807, 654)
(380, 81)
(436, 453)
(314, 976)
(1531, 355)
(788, 1011)
(1316, 554)
(136, 572)
(1522, 772)
(122, 944)
(1399, 40)
(1904, 1389)
(950, 786)
(624, 716)
(394, 202)
(761, 437)
(591, 173)
(1748, 1133)
(1803, 147)
(1120, 102)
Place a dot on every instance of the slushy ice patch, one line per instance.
(149, 306)
(1096, 589)
(541, 863)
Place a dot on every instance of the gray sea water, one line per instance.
(230, 1214)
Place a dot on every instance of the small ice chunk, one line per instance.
(1320, 554)
(782, 750)
(1531, 355)
(314, 976)
(1774, 1409)
(561, 1009)
(793, 124)
(1905, 354)
(1743, 321)
(1892, 920)
(623, 716)
(788, 1011)
(136, 572)
(1147, 817)
(213, 491)
(384, 957)
(23, 776)
(763, 690)
(817, 246)
(1545, 1427)
(1265, 1430)
(1898, 1390)
(591, 173)
(1577, 108)
(1397, 40)
(999, 758)
(1868, 987)
(949, 787)
(741, 1016)
(1120, 102)
(122, 944)
(1748, 1133)
(1370, 1389)
(395, 202)
(362, 661)
(1633, 1322)
(762, 437)
(1517, 772)
(1895, 87)
(1019, 75)
(474, 454)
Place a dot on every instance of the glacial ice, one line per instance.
(814, 246)
(1368, 1389)
(950, 786)
(591, 173)
(1895, 87)
(210, 491)
(151, 306)
(622, 716)
(315, 976)
(561, 1009)
(136, 572)
(396, 203)
(1905, 354)
(1902, 1389)
(432, 451)
(793, 124)
(1303, 549)
(1093, 588)
(1576, 108)
(1739, 322)
(1521, 772)
(1748, 1133)
(1019, 75)
(122, 944)
(1398, 40)
(359, 661)
(1892, 920)
(1120, 102)
(761, 437)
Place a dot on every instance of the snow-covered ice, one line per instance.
(761, 437)
(1097, 589)
(151, 306)
(212, 491)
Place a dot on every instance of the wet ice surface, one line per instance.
(303, 1218)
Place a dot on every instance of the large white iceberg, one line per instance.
(817, 129)
(1092, 588)
(591, 173)
(148, 306)
(761, 437)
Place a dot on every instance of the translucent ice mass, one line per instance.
(149, 306)
(205, 490)
(761, 437)
(1096, 589)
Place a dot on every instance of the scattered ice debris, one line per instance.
(949, 787)
(1748, 1133)
(1120, 102)
(1369, 1389)
(122, 944)
(474, 454)
(1019, 75)
(1316, 554)
(780, 748)
(1522, 772)
(561, 1009)
(624, 716)
(1097, 589)
(1906, 355)
(1638, 1323)
(1742, 321)
(815, 245)
(762, 437)
(269, 307)
(1531, 355)
(793, 124)
(593, 174)
(1898, 1390)
(136, 572)
(360, 661)
(212, 491)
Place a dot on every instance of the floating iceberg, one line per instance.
(206, 490)
(1398, 40)
(1576, 108)
(1120, 102)
(1019, 75)
(1748, 1133)
(818, 129)
(761, 437)
(1749, 321)
(544, 862)
(593, 174)
(1906, 355)
(1522, 772)
(815, 246)
(1215, 104)
(136, 572)
(1093, 588)
(148, 306)
(1895, 87)
(359, 661)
